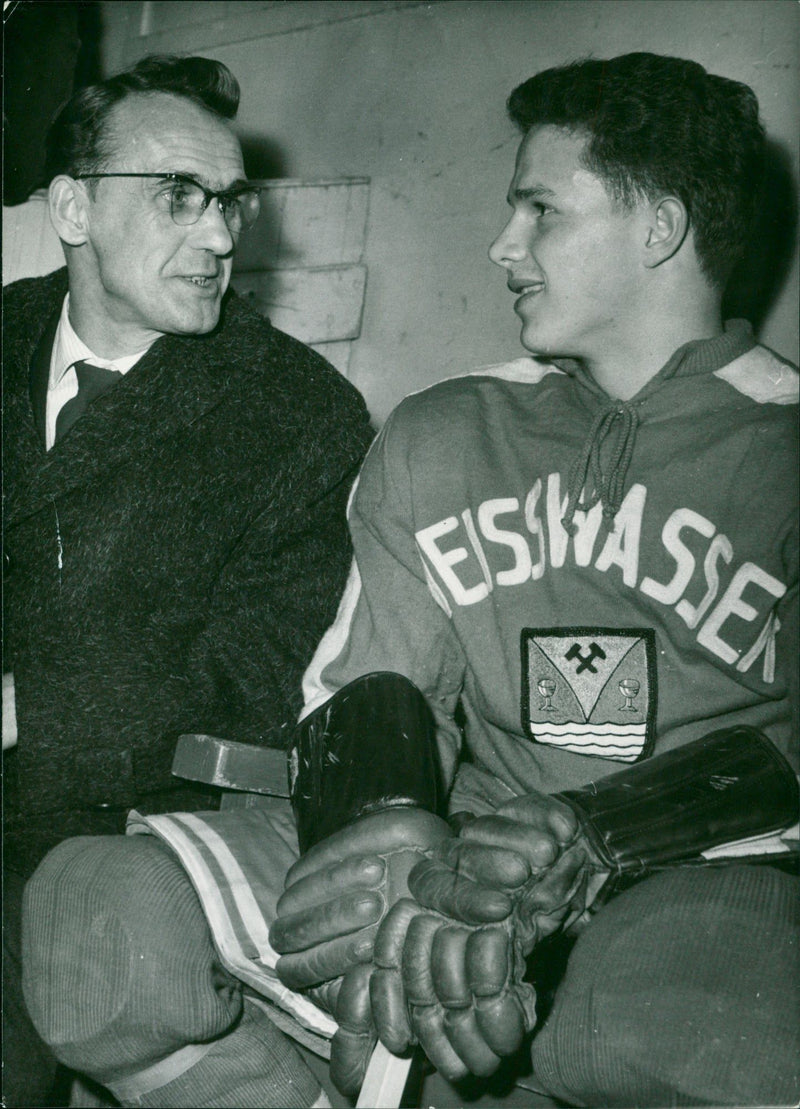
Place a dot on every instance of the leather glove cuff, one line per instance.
(729, 785)
(371, 747)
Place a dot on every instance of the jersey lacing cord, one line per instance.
(608, 487)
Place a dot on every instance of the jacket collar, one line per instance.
(175, 383)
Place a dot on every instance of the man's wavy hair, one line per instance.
(658, 125)
(80, 140)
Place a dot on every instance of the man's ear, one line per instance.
(669, 225)
(69, 202)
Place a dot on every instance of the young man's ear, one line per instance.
(669, 226)
(68, 201)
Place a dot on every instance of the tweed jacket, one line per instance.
(170, 563)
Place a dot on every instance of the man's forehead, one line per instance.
(158, 131)
(551, 147)
(550, 159)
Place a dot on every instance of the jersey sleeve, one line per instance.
(787, 651)
(388, 619)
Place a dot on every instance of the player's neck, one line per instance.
(624, 369)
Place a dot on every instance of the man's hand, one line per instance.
(339, 891)
(328, 916)
(454, 988)
(537, 864)
(449, 965)
(529, 859)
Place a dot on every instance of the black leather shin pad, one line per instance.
(372, 746)
(729, 785)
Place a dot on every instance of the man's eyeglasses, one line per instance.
(187, 199)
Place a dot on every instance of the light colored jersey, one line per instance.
(577, 642)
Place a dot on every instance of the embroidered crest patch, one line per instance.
(591, 691)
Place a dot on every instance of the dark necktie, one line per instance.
(93, 381)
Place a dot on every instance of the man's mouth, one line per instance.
(525, 289)
(209, 282)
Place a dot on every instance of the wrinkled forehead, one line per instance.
(151, 132)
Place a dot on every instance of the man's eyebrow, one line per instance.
(184, 175)
(532, 192)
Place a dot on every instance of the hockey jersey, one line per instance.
(575, 582)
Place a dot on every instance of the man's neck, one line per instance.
(625, 369)
(70, 347)
(106, 337)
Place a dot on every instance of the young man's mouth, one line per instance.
(525, 290)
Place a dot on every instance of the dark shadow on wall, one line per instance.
(759, 277)
(264, 159)
(49, 50)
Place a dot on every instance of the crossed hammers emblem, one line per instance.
(586, 661)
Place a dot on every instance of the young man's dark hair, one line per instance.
(658, 124)
(78, 140)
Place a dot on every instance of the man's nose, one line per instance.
(508, 247)
(211, 232)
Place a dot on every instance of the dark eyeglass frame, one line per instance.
(224, 198)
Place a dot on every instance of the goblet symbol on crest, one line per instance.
(629, 687)
(547, 688)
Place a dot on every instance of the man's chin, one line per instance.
(534, 341)
(196, 322)
(543, 346)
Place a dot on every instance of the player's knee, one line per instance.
(115, 945)
(681, 987)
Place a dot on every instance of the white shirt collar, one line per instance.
(69, 349)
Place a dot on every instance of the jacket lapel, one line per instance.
(176, 382)
(40, 376)
(155, 397)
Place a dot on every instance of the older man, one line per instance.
(175, 475)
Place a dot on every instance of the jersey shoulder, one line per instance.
(762, 376)
(458, 401)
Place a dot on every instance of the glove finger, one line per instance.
(351, 1046)
(437, 886)
(562, 881)
(493, 867)
(326, 960)
(351, 912)
(392, 933)
(468, 1042)
(536, 842)
(359, 872)
(416, 961)
(427, 1022)
(489, 958)
(394, 829)
(449, 967)
(503, 1021)
(386, 986)
(546, 814)
(389, 1010)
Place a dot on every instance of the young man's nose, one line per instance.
(507, 247)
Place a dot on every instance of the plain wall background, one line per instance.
(413, 96)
